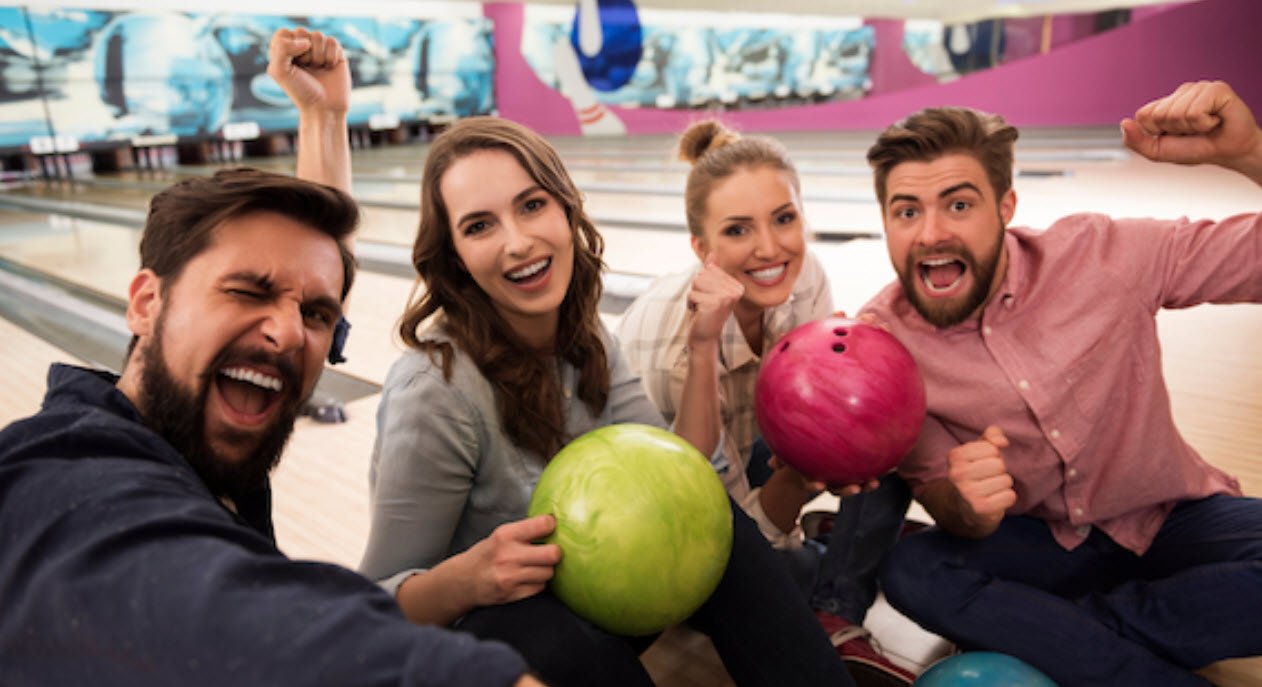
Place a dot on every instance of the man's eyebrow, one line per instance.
(960, 187)
(324, 303)
(904, 197)
(260, 280)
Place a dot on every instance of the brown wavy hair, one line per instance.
(527, 385)
(716, 153)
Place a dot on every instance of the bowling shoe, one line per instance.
(866, 664)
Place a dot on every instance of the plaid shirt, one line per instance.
(654, 337)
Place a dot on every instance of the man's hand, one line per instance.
(1201, 122)
(978, 473)
(311, 68)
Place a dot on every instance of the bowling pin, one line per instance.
(593, 117)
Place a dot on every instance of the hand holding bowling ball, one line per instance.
(840, 400)
(643, 523)
(508, 566)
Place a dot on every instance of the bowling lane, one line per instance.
(24, 368)
(1214, 374)
(108, 195)
(100, 257)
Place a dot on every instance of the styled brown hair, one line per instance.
(183, 217)
(715, 153)
(527, 388)
(931, 133)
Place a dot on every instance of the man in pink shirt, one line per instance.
(1076, 529)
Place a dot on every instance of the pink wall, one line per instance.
(519, 93)
(1095, 81)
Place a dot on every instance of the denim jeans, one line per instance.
(839, 576)
(760, 627)
(1099, 614)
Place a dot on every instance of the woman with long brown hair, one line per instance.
(507, 361)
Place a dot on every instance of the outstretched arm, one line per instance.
(1201, 122)
(312, 70)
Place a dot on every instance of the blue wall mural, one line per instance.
(100, 75)
(693, 67)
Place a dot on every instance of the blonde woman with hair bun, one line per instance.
(743, 206)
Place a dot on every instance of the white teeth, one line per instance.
(769, 273)
(530, 270)
(245, 374)
(937, 262)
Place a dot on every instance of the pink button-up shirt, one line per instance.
(1065, 360)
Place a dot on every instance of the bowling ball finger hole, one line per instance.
(839, 348)
(841, 331)
(785, 346)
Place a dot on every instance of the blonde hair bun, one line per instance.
(703, 137)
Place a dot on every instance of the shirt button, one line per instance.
(1055, 433)
(1072, 473)
(1084, 531)
(1024, 385)
(1078, 512)
(566, 392)
(986, 330)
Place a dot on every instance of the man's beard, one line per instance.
(945, 313)
(179, 416)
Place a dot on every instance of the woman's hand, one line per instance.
(508, 565)
(713, 295)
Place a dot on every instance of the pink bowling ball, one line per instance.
(840, 400)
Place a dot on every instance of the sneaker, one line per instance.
(866, 664)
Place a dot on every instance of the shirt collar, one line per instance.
(71, 384)
(1017, 273)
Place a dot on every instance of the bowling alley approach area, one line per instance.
(104, 104)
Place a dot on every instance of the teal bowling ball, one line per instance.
(983, 669)
(643, 523)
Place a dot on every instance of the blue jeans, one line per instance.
(1099, 614)
(761, 629)
(839, 576)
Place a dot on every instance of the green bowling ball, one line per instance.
(643, 523)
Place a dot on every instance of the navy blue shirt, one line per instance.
(119, 567)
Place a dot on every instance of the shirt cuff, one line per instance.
(391, 584)
(778, 538)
